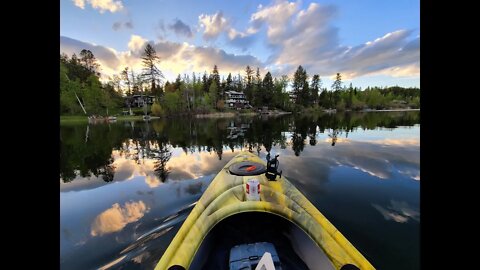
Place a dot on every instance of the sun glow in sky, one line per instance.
(370, 42)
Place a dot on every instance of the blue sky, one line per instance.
(370, 42)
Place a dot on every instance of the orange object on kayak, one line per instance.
(251, 168)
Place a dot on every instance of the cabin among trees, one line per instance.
(138, 100)
(236, 100)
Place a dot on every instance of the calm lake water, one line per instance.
(127, 187)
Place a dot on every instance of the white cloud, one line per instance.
(213, 25)
(276, 16)
(306, 37)
(79, 3)
(232, 33)
(137, 43)
(101, 5)
(391, 54)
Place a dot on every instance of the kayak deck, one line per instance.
(225, 200)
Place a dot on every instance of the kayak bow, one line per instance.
(226, 197)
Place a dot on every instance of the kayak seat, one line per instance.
(349, 267)
(176, 267)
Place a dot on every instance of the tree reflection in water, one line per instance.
(155, 140)
(161, 158)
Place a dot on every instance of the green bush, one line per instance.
(157, 109)
(221, 105)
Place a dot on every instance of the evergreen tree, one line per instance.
(229, 83)
(213, 92)
(257, 89)
(150, 71)
(216, 78)
(178, 83)
(300, 87)
(205, 85)
(126, 78)
(267, 91)
(249, 83)
(336, 88)
(337, 84)
(89, 61)
(350, 97)
(315, 86)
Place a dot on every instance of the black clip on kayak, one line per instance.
(272, 168)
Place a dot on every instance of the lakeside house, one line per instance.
(292, 96)
(139, 100)
(236, 99)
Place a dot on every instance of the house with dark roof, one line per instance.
(236, 99)
(139, 100)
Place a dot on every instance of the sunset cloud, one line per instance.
(174, 57)
(137, 44)
(101, 5)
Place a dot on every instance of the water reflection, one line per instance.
(334, 136)
(398, 211)
(127, 187)
(154, 141)
(116, 218)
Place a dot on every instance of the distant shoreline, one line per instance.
(77, 118)
(390, 110)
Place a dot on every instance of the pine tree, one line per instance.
(300, 87)
(337, 84)
(336, 87)
(248, 83)
(215, 77)
(205, 86)
(150, 71)
(126, 78)
(229, 83)
(267, 93)
(89, 61)
(257, 89)
(315, 86)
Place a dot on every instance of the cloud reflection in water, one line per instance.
(398, 211)
(116, 218)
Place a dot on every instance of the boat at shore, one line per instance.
(252, 217)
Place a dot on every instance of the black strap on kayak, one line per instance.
(272, 168)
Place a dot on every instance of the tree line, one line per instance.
(202, 93)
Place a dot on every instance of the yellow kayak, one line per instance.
(233, 218)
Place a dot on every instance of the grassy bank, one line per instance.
(216, 115)
(81, 118)
(73, 118)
